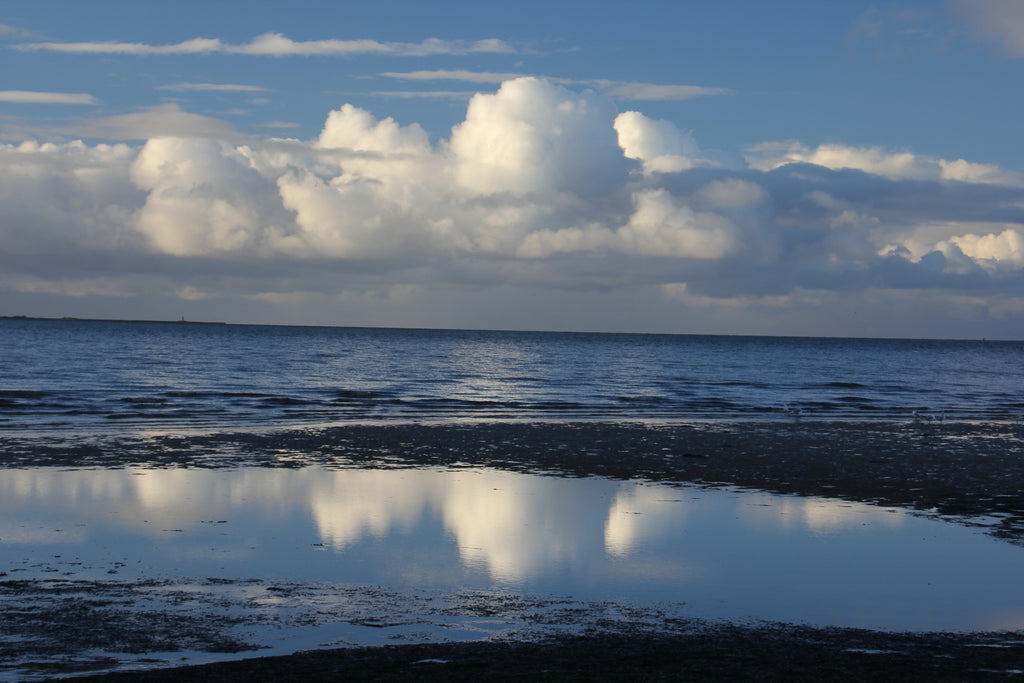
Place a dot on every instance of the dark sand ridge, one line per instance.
(971, 473)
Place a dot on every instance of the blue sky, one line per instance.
(836, 168)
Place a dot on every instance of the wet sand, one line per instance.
(972, 474)
(726, 653)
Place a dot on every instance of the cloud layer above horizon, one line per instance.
(539, 185)
(277, 45)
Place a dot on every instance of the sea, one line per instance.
(225, 558)
(88, 375)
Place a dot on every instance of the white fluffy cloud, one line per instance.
(662, 226)
(60, 197)
(660, 145)
(355, 129)
(202, 197)
(534, 136)
(539, 185)
(1005, 249)
(871, 160)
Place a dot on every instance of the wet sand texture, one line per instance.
(729, 653)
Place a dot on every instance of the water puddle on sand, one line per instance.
(289, 559)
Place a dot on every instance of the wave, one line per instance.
(95, 375)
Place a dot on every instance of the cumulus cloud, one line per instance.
(1005, 249)
(975, 173)
(356, 129)
(534, 136)
(202, 197)
(278, 45)
(871, 160)
(660, 145)
(58, 198)
(663, 226)
(539, 186)
(660, 226)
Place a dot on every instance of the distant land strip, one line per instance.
(113, 320)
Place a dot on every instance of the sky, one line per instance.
(729, 167)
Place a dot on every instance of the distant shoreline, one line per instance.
(501, 330)
(70, 318)
(498, 330)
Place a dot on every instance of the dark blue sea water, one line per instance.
(88, 375)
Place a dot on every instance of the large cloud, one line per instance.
(1005, 249)
(202, 198)
(538, 186)
(533, 136)
(65, 197)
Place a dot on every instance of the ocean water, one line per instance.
(100, 375)
(304, 557)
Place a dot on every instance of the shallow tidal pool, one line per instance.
(710, 553)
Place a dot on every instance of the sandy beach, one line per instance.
(964, 473)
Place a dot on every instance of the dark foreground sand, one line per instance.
(723, 654)
(971, 474)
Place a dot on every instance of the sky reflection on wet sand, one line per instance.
(725, 554)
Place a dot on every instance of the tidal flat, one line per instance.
(878, 544)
